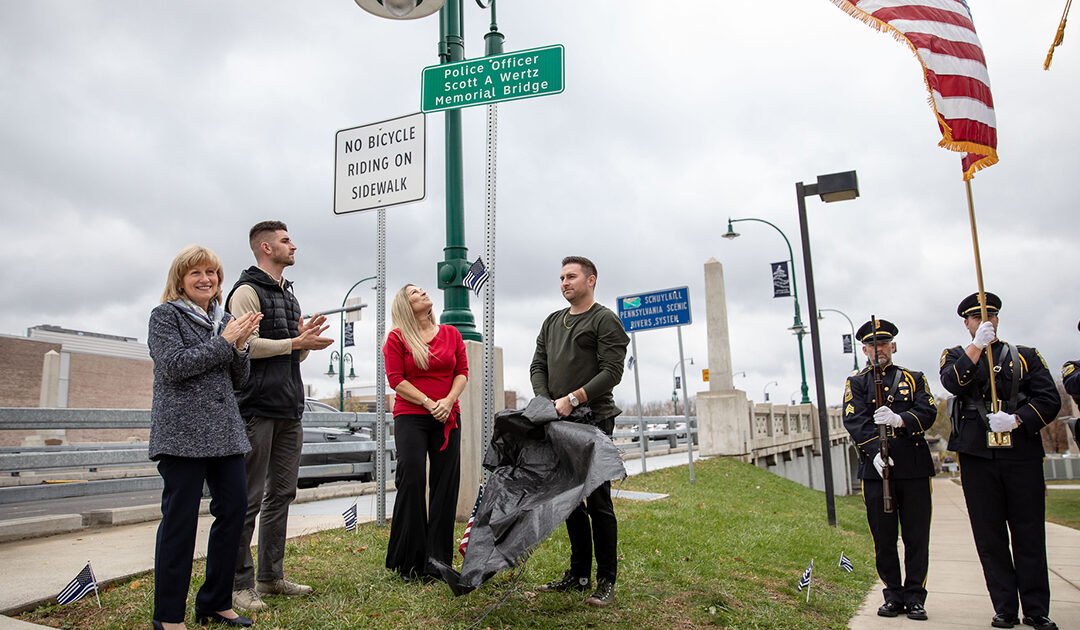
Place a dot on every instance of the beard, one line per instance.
(285, 259)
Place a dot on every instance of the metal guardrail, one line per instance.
(15, 461)
(658, 431)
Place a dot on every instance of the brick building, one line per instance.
(87, 370)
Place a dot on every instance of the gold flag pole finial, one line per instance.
(1059, 36)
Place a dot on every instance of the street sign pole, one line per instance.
(686, 408)
(640, 412)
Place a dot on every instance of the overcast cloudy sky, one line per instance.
(131, 128)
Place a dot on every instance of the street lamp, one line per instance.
(797, 327)
(340, 352)
(854, 355)
(766, 393)
(450, 272)
(341, 360)
(675, 391)
(832, 187)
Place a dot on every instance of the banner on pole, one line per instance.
(781, 279)
(847, 344)
(349, 335)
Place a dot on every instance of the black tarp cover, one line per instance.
(541, 469)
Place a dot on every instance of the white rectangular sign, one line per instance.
(379, 165)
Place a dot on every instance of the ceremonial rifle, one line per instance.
(883, 429)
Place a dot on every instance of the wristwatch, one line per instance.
(574, 402)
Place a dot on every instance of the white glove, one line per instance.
(884, 415)
(984, 335)
(879, 464)
(1001, 422)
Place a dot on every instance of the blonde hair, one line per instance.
(189, 257)
(403, 318)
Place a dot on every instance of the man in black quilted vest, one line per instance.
(907, 411)
(271, 403)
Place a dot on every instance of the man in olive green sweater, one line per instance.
(578, 360)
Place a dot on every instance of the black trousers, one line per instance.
(593, 526)
(911, 517)
(1006, 499)
(180, 499)
(423, 523)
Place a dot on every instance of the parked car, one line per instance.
(325, 435)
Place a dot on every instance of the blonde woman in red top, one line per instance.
(427, 367)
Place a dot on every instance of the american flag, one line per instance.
(468, 526)
(350, 518)
(78, 588)
(845, 563)
(477, 276)
(942, 34)
(804, 581)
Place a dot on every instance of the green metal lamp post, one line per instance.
(675, 391)
(797, 327)
(340, 352)
(450, 272)
(855, 356)
(341, 360)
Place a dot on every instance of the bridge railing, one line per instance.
(19, 460)
(776, 429)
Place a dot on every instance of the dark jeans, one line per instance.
(272, 467)
(423, 523)
(911, 515)
(183, 477)
(592, 525)
(1006, 500)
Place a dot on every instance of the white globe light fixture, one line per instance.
(401, 9)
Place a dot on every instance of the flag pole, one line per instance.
(982, 292)
(93, 577)
(811, 582)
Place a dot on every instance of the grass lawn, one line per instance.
(725, 552)
(1063, 507)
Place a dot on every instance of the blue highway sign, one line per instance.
(657, 309)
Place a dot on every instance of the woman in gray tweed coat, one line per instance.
(196, 434)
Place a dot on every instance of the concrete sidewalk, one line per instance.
(34, 570)
(957, 595)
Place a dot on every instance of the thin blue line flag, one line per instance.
(477, 276)
(78, 588)
(804, 581)
(350, 518)
(845, 563)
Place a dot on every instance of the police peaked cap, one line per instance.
(886, 330)
(970, 305)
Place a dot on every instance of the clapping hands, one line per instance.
(240, 328)
(310, 334)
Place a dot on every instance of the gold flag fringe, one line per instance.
(1059, 36)
(947, 141)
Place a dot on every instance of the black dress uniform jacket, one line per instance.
(1070, 377)
(912, 401)
(1037, 402)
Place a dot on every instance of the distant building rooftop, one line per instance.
(85, 342)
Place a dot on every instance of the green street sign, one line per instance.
(516, 75)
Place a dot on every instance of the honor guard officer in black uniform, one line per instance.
(1001, 457)
(1070, 377)
(907, 412)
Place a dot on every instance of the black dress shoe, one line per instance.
(1003, 620)
(206, 617)
(1040, 623)
(916, 611)
(890, 609)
